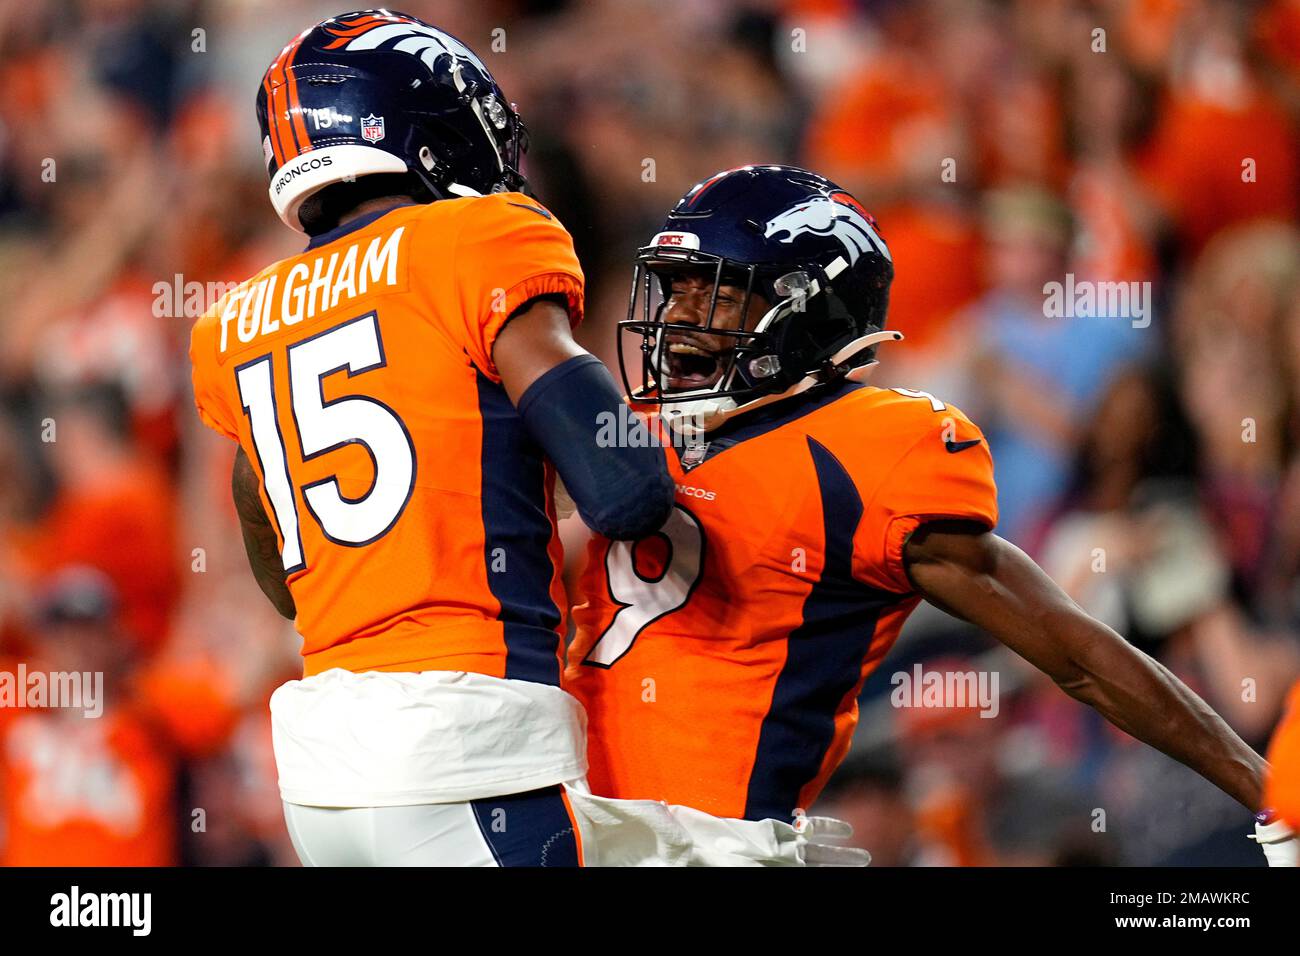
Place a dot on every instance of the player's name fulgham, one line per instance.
(311, 287)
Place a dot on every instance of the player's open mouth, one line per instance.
(691, 367)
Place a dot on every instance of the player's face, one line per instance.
(698, 359)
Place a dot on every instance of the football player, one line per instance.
(402, 393)
(720, 659)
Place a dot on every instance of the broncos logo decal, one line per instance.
(838, 215)
(371, 31)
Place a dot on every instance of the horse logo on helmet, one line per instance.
(838, 215)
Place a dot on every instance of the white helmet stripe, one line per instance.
(419, 38)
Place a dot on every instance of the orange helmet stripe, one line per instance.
(276, 149)
(358, 27)
(297, 125)
(287, 144)
(287, 138)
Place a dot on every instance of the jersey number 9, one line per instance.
(645, 600)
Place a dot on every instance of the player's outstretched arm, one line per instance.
(981, 578)
(563, 393)
(259, 536)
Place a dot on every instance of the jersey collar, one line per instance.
(760, 421)
(338, 232)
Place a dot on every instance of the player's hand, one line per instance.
(819, 839)
(1278, 841)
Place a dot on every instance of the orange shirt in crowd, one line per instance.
(79, 791)
(922, 300)
(879, 122)
(124, 526)
(101, 791)
(1194, 163)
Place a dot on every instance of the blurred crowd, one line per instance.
(1150, 460)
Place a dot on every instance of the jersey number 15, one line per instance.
(324, 426)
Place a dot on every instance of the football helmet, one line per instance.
(382, 92)
(805, 245)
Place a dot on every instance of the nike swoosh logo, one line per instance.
(540, 212)
(956, 446)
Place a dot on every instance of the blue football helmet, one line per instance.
(805, 245)
(378, 92)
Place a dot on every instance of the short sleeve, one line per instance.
(946, 473)
(213, 411)
(509, 249)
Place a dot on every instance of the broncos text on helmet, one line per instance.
(807, 247)
(380, 92)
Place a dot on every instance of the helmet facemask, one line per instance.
(751, 364)
(446, 148)
(683, 362)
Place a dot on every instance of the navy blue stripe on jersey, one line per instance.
(763, 420)
(517, 532)
(528, 829)
(823, 659)
(622, 490)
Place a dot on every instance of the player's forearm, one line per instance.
(572, 409)
(622, 489)
(260, 543)
(994, 585)
(1132, 690)
(1142, 697)
(263, 557)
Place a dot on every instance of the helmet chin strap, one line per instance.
(429, 163)
(698, 416)
(693, 417)
(846, 355)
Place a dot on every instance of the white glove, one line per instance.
(1277, 840)
(818, 839)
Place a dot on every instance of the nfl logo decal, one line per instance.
(372, 128)
(694, 455)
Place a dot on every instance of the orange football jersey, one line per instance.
(414, 514)
(720, 659)
(1282, 792)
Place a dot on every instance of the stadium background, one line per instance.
(999, 150)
